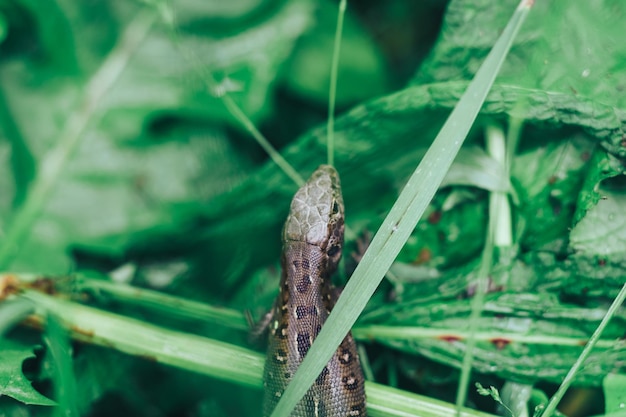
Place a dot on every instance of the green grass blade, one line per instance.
(206, 356)
(64, 381)
(402, 219)
(193, 353)
(384, 401)
(414, 334)
(498, 235)
(569, 378)
(168, 305)
(221, 90)
(486, 262)
(245, 121)
(330, 129)
(14, 311)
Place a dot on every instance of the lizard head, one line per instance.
(316, 214)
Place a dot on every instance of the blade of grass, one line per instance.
(221, 90)
(498, 234)
(414, 334)
(86, 115)
(245, 121)
(194, 353)
(569, 378)
(386, 401)
(57, 340)
(171, 305)
(14, 311)
(330, 128)
(497, 148)
(206, 356)
(486, 263)
(401, 220)
(167, 304)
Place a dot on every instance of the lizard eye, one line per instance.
(333, 251)
(335, 208)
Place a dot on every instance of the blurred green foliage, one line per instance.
(163, 177)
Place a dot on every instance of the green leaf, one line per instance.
(602, 166)
(97, 141)
(389, 135)
(560, 50)
(614, 386)
(63, 379)
(547, 180)
(13, 382)
(602, 232)
(513, 327)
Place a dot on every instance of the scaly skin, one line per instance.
(312, 246)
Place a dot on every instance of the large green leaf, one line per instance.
(522, 336)
(561, 49)
(148, 154)
(13, 382)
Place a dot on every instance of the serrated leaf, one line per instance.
(13, 382)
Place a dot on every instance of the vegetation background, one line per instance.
(119, 161)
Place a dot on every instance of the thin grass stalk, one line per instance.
(203, 355)
(332, 91)
(569, 378)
